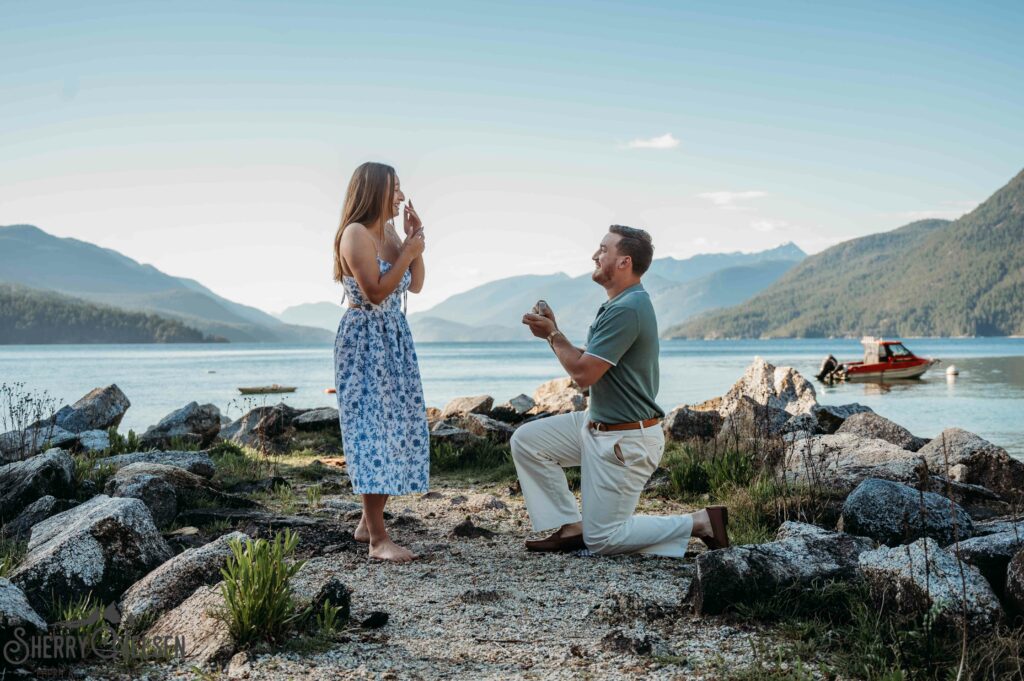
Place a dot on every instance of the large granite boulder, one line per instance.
(101, 547)
(748, 418)
(893, 514)
(844, 460)
(976, 461)
(870, 424)
(16, 614)
(460, 406)
(801, 555)
(167, 490)
(979, 502)
(23, 482)
(93, 441)
(483, 426)
(443, 432)
(100, 409)
(515, 410)
(1015, 583)
(683, 423)
(35, 513)
(921, 577)
(999, 525)
(991, 554)
(18, 445)
(558, 396)
(324, 419)
(206, 635)
(831, 417)
(198, 463)
(262, 428)
(780, 388)
(193, 424)
(171, 583)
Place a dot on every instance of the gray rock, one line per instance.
(94, 440)
(979, 502)
(781, 388)
(460, 406)
(802, 423)
(23, 482)
(207, 637)
(844, 460)
(483, 426)
(902, 577)
(1015, 583)
(975, 461)
(750, 419)
(558, 396)
(18, 445)
(831, 417)
(15, 613)
(262, 428)
(171, 583)
(799, 557)
(991, 554)
(324, 419)
(99, 547)
(870, 424)
(683, 423)
(100, 409)
(198, 463)
(792, 528)
(168, 490)
(35, 513)
(522, 404)
(893, 513)
(443, 432)
(999, 525)
(193, 424)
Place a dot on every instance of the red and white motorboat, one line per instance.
(883, 360)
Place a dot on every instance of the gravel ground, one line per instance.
(484, 608)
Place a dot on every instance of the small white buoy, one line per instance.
(951, 370)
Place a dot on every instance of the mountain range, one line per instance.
(33, 258)
(678, 289)
(927, 278)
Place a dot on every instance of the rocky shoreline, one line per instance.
(927, 528)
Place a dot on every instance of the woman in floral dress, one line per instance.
(380, 396)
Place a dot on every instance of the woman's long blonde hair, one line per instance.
(371, 193)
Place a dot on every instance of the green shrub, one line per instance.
(258, 604)
(687, 473)
(11, 553)
(122, 444)
(86, 469)
(314, 493)
(485, 458)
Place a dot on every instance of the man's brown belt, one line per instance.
(635, 425)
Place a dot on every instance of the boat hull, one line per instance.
(876, 372)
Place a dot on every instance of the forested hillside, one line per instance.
(29, 316)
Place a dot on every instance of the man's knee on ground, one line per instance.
(598, 541)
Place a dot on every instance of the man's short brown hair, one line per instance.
(636, 243)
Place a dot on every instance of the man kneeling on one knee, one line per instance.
(619, 441)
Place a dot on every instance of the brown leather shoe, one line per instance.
(556, 544)
(719, 519)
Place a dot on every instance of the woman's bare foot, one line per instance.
(390, 551)
(362, 535)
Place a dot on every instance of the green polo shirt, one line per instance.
(625, 334)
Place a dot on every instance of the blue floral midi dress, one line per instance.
(380, 395)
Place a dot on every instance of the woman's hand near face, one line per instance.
(410, 219)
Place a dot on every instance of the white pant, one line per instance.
(615, 467)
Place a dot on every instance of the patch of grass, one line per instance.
(88, 470)
(284, 496)
(234, 465)
(693, 472)
(122, 444)
(314, 495)
(96, 636)
(258, 604)
(11, 554)
(180, 444)
(839, 628)
(485, 460)
(219, 527)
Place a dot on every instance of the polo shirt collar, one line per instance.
(634, 287)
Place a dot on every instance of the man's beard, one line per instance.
(600, 276)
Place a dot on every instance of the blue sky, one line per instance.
(216, 143)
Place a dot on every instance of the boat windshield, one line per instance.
(897, 350)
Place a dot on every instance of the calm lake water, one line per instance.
(986, 398)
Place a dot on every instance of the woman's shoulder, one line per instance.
(355, 230)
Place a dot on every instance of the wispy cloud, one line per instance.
(666, 141)
(731, 200)
(768, 225)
